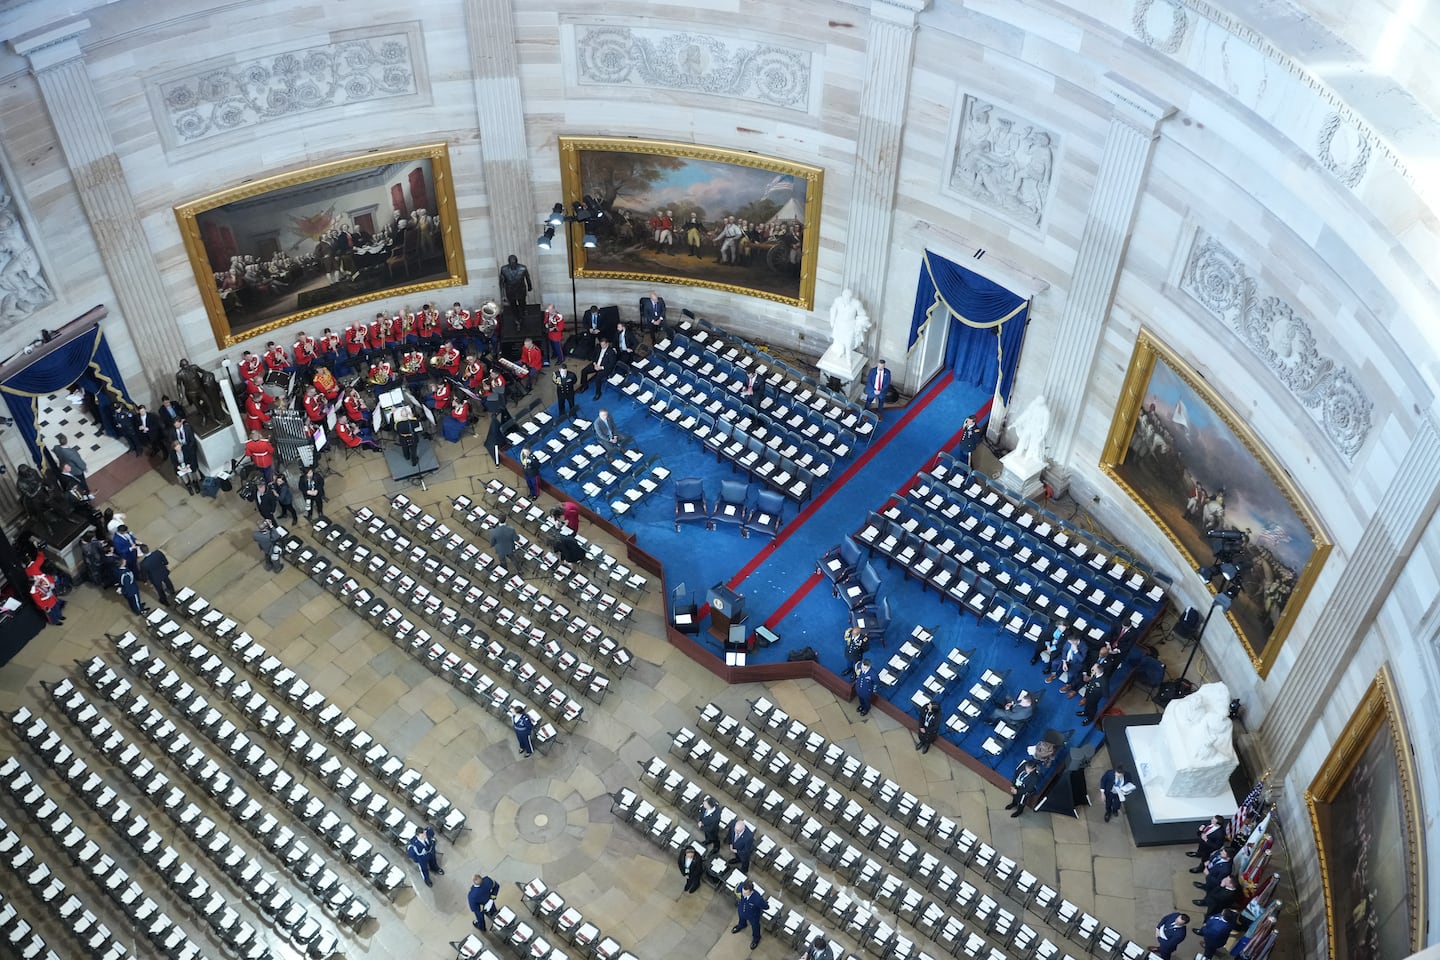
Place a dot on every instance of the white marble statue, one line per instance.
(848, 321)
(1199, 749)
(1030, 429)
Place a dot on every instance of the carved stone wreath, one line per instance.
(1350, 173)
(1216, 279)
(1179, 24)
(693, 62)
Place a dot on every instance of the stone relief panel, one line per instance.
(616, 54)
(1215, 278)
(222, 96)
(23, 287)
(1001, 161)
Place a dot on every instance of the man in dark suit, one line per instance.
(624, 344)
(589, 331)
(149, 431)
(1212, 838)
(742, 844)
(1216, 931)
(692, 868)
(1216, 869)
(599, 369)
(877, 386)
(189, 443)
(1116, 786)
(1221, 898)
(652, 315)
(1026, 782)
(155, 567)
(170, 411)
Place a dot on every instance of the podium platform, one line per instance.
(403, 470)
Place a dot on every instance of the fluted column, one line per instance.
(1129, 144)
(889, 56)
(1385, 545)
(500, 115)
(58, 64)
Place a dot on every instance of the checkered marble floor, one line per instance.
(58, 414)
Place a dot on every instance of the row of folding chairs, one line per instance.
(243, 810)
(594, 469)
(526, 514)
(843, 904)
(1041, 528)
(17, 933)
(787, 924)
(250, 874)
(797, 388)
(568, 923)
(563, 662)
(210, 666)
(328, 824)
(674, 395)
(522, 432)
(470, 565)
(129, 896)
(285, 730)
(898, 667)
(524, 594)
(551, 441)
(944, 835)
(633, 494)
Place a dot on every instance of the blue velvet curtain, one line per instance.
(987, 322)
(85, 359)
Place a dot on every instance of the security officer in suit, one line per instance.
(1026, 782)
(750, 906)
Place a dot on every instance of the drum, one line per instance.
(277, 384)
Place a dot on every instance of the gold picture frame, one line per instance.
(324, 238)
(638, 182)
(1195, 465)
(1362, 803)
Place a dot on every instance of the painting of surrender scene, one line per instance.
(678, 213)
(1194, 466)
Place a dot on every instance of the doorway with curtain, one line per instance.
(968, 324)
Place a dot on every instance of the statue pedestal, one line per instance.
(847, 366)
(1021, 472)
(217, 449)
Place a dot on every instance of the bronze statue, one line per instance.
(46, 504)
(188, 379)
(211, 387)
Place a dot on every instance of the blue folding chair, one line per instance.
(768, 514)
(690, 506)
(731, 505)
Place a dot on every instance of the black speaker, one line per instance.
(1188, 626)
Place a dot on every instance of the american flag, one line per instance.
(1250, 804)
(1272, 534)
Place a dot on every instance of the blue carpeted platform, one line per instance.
(779, 581)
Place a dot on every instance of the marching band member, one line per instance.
(255, 416)
(306, 351)
(382, 371)
(330, 347)
(474, 372)
(439, 398)
(314, 405)
(261, 453)
(412, 365)
(427, 325)
(410, 327)
(275, 359)
(379, 327)
(447, 359)
(454, 326)
(554, 332)
(355, 406)
(255, 390)
(493, 397)
(531, 356)
(250, 366)
(453, 426)
(357, 337)
(355, 435)
(395, 333)
(324, 381)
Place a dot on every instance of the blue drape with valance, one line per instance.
(86, 359)
(987, 323)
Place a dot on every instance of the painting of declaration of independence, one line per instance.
(298, 244)
(1367, 827)
(705, 216)
(1186, 458)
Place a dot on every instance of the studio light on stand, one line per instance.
(588, 212)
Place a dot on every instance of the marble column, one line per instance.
(1384, 547)
(1134, 123)
(889, 57)
(500, 115)
(58, 64)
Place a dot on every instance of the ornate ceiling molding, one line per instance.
(1217, 280)
(617, 54)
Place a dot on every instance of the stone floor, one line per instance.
(549, 816)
